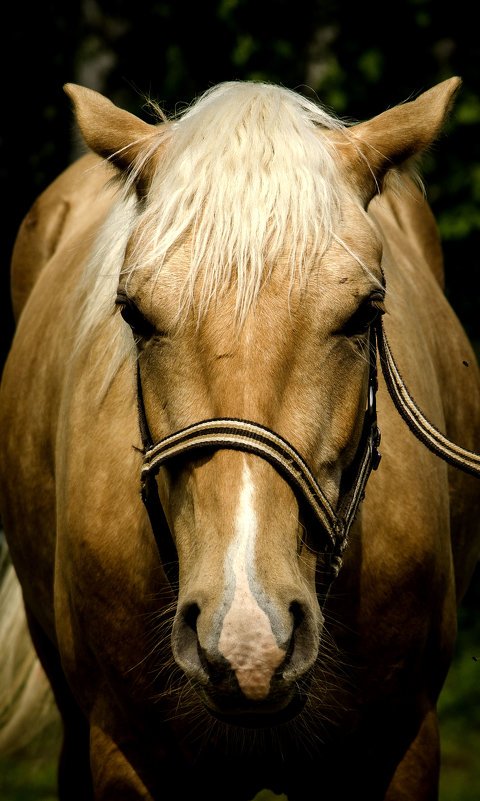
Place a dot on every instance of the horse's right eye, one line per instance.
(140, 326)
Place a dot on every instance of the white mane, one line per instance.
(247, 174)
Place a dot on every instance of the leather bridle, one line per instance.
(327, 527)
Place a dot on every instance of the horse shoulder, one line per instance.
(50, 254)
(50, 221)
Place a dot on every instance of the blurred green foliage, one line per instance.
(31, 774)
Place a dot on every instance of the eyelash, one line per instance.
(139, 325)
(364, 316)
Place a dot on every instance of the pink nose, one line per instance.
(246, 671)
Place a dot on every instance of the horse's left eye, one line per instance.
(364, 317)
(140, 326)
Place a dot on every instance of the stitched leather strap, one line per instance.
(421, 427)
(245, 435)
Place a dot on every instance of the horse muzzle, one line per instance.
(244, 673)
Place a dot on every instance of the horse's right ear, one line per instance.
(114, 134)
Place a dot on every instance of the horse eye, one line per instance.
(140, 326)
(364, 317)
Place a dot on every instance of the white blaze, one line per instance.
(247, 640)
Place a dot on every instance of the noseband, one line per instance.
(328, 528)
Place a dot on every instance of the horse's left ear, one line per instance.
(374, 147)
(114, 134)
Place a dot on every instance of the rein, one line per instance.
(329, 527)
(424, 430)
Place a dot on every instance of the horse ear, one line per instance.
(374, 147)
(113, 133)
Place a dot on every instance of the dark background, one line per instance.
(358, 58)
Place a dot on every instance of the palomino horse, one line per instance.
(188, 421)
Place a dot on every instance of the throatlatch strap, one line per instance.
(421, 427)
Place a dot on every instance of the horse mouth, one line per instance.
(262, 715)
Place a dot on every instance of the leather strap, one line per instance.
(419, 425)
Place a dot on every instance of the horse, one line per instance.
(217, 314)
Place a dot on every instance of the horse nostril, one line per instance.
(297, 614)
(303, 644)
(185, 645)
(190, 616)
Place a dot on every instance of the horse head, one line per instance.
(250, 283)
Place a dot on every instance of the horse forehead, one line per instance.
(281, 291)
(287, 297)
